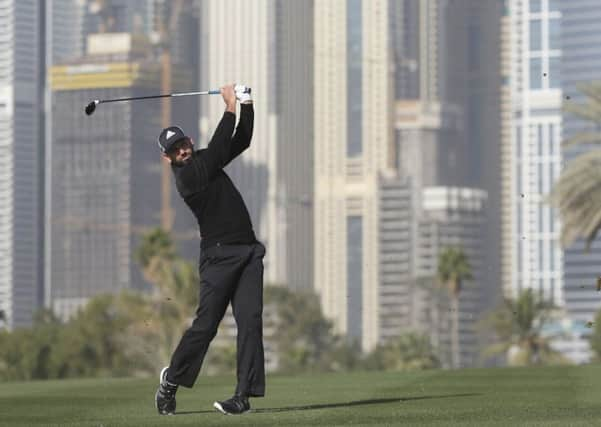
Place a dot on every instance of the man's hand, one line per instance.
(229, 97)
(166, 158)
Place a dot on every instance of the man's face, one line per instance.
(181, 152)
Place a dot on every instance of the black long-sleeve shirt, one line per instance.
(208, 191)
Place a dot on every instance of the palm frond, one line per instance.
(582, 138)
(591, 89)
(577, 194)
(583, 111)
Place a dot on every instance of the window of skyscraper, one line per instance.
(554, 34)
(535, 73)
(555, 72)
(354, 76)
(354, 242)
(554, 5)
(535, 6)
(520, 251)
(518, 141)
(535, 35)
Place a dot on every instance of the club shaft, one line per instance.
(168, 95)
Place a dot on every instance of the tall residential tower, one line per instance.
(353, 134)
(22, 76)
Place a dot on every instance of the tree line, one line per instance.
(134, 333)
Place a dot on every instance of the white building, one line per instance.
(21, 165)
(352, 142)
(531, 227)
(538, 75)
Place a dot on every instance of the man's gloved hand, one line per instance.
(242, 93)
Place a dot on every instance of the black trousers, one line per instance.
(228, 273)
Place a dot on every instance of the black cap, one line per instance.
(170, 136)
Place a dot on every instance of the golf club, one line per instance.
(91, 107)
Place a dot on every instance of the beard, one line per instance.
(180, 163)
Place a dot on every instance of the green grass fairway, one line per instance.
(559, 396)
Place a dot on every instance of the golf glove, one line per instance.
(242, 93)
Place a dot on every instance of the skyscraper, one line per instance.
(430, 89)
(352, 100)
(22, 64)
(64, 29)
(397, 246)
(454, 217)
(274, 174)
(294, 108)
(580, 63)
(533, 157)
(105, 168)
(446, 137)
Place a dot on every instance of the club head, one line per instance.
(91, 107)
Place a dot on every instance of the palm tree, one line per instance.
(438, 301)
(453, 270)
(175, 281)
(155, 254)
(518, 325)
(577, 192)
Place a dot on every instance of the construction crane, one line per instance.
(173, 10)
(167, 15)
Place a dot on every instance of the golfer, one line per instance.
(231, 258)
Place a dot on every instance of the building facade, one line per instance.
(102, 169)
(531, 228)
(453, 217)
(22, 76)
(397, 245)
(351, 147)
(580, 65)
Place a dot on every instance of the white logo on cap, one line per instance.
(170, 134)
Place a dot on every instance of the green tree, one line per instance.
(577, 192)
(410, 351)
(453, 270)
(303, 337)
(175, 281)
(155, 255)
(518, 326)
(90, 343)
(26, 353)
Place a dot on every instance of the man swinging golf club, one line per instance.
(231, 258)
